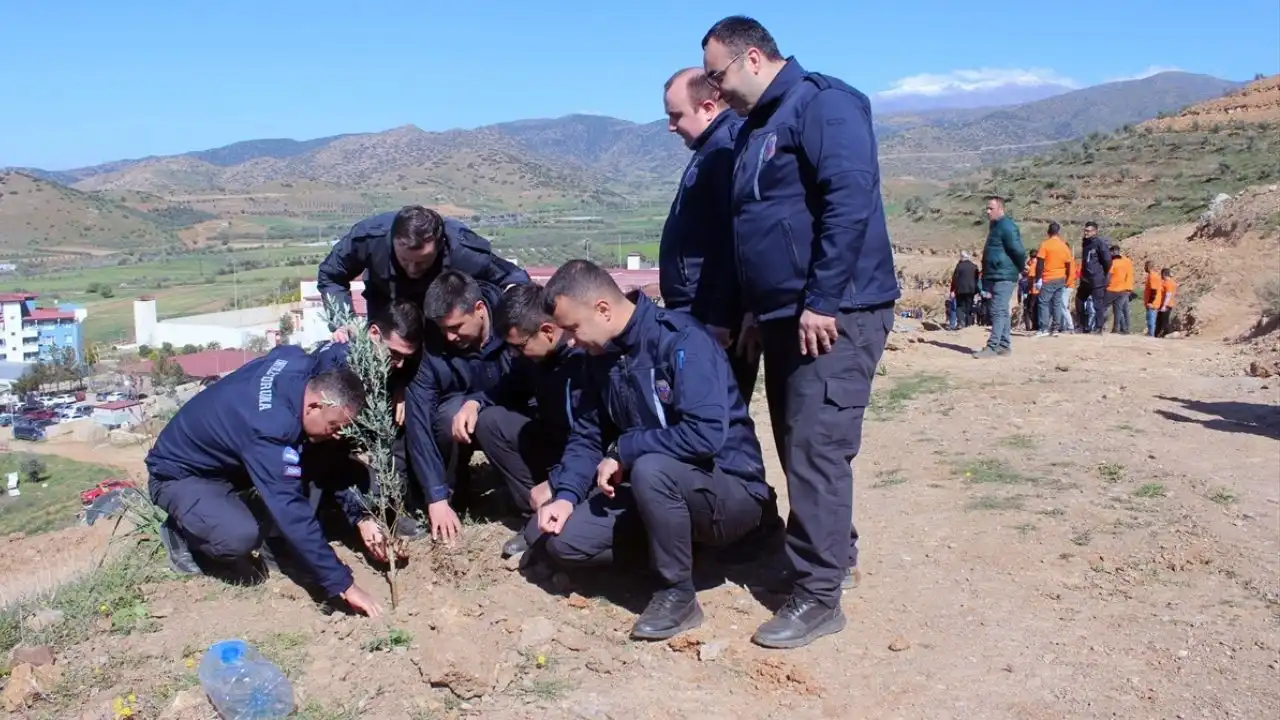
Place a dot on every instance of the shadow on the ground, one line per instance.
(950, 346)
(1232, 416)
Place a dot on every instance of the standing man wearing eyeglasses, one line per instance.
(812, 255)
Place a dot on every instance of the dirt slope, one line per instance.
(1045, 537)
(1220, 262)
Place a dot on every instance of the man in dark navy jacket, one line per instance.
(698, 233)
(524, 443)
(813, 257)
(686, 447)
(465, 369)
(401, 253)
(398, 329)
(253, 430)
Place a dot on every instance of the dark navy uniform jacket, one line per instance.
(246, 429)
(367, 249)
(699, 230)
(558, 381)
(666, 386)
(447, 375)
(809, 223)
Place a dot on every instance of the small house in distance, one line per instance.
(119, 413)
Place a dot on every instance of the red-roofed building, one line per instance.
(120, 413)
(207, 363)
(29, 333)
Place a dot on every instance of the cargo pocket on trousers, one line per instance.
(844, 402)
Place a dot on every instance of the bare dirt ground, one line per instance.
(1088, 528)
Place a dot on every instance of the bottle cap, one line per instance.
(229, 651)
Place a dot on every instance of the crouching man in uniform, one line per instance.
(397, 329)
(686, 461)
(466, 369)
(251, 431)
(523, 444)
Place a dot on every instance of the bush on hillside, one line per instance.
(1269, 296)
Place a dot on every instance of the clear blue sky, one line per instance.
(86, 81)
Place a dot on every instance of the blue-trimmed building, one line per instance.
(29, 334)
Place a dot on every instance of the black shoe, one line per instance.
(669, 613)
(407, 527)
(852, 578)
(181, 560)
(515, 546)
(799, 622)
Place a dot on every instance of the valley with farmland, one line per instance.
(1092, 530)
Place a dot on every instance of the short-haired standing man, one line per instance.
(1003, 257)
(812, 255)
(699, 228)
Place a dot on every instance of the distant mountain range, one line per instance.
(588, 160)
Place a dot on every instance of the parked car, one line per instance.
(28, 432)
(6, 419)
(102, 488)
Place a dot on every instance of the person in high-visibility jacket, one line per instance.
(1119, 290)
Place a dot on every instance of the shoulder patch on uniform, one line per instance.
(680, 358)
(292, 471)
(663, 390)
(291, 456)
(770, 147)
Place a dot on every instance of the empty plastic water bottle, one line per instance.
(242, 684)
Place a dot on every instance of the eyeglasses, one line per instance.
(715, 77)
(517, 348)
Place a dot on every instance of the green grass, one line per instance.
(112, 592)
(997, 503)
(890, 478)
(892, 400)
(1130, 180)
(288, 650)
(392, 639)
(1223, 496)
(1111, 473)
(1019, 441)
(42, 509)
(182, 284)
(1151, 490)
(990, 471)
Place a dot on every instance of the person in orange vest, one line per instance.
(1030, 295)
(1152, 295)
(1053, 266)
(1170, 290)
(1119, 289)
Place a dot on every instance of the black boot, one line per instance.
(669, 613)
(181, 560)
(799, 622)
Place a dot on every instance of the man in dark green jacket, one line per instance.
(1002, 260)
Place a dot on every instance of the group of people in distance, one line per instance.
(1101, 278)
(621, 427)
